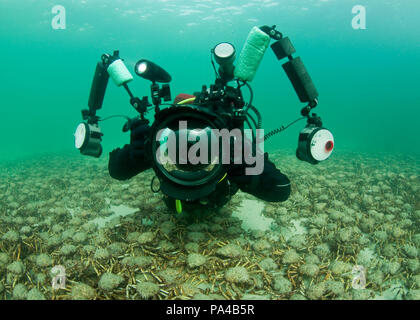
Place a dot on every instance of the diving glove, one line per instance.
(139, 131)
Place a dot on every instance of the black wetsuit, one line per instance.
(271, 185)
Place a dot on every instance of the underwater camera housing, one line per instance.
(179, 177)
(219, 106)
(213, 109)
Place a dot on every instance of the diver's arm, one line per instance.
(271, 185)
(124, 163)
(130, 160)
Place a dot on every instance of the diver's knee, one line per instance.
(279, 194)
(284, 194)
(278, 187)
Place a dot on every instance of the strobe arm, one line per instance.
(97, 92)
(296, 72)
(272, 32)
(139, 104)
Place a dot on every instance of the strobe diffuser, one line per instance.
(87, 139)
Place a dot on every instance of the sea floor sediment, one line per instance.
(117, 240)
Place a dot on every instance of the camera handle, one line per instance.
(139, 104)
(158, 94)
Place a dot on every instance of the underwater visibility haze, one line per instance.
(351, 226)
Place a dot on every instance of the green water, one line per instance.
(367, 79)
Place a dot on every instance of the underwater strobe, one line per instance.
(315, 143)
(87, 139)
(88, 135)
(224, 53)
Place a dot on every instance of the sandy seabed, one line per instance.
(117, 240)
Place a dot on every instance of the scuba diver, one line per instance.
(191, 184)
(271, 185)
